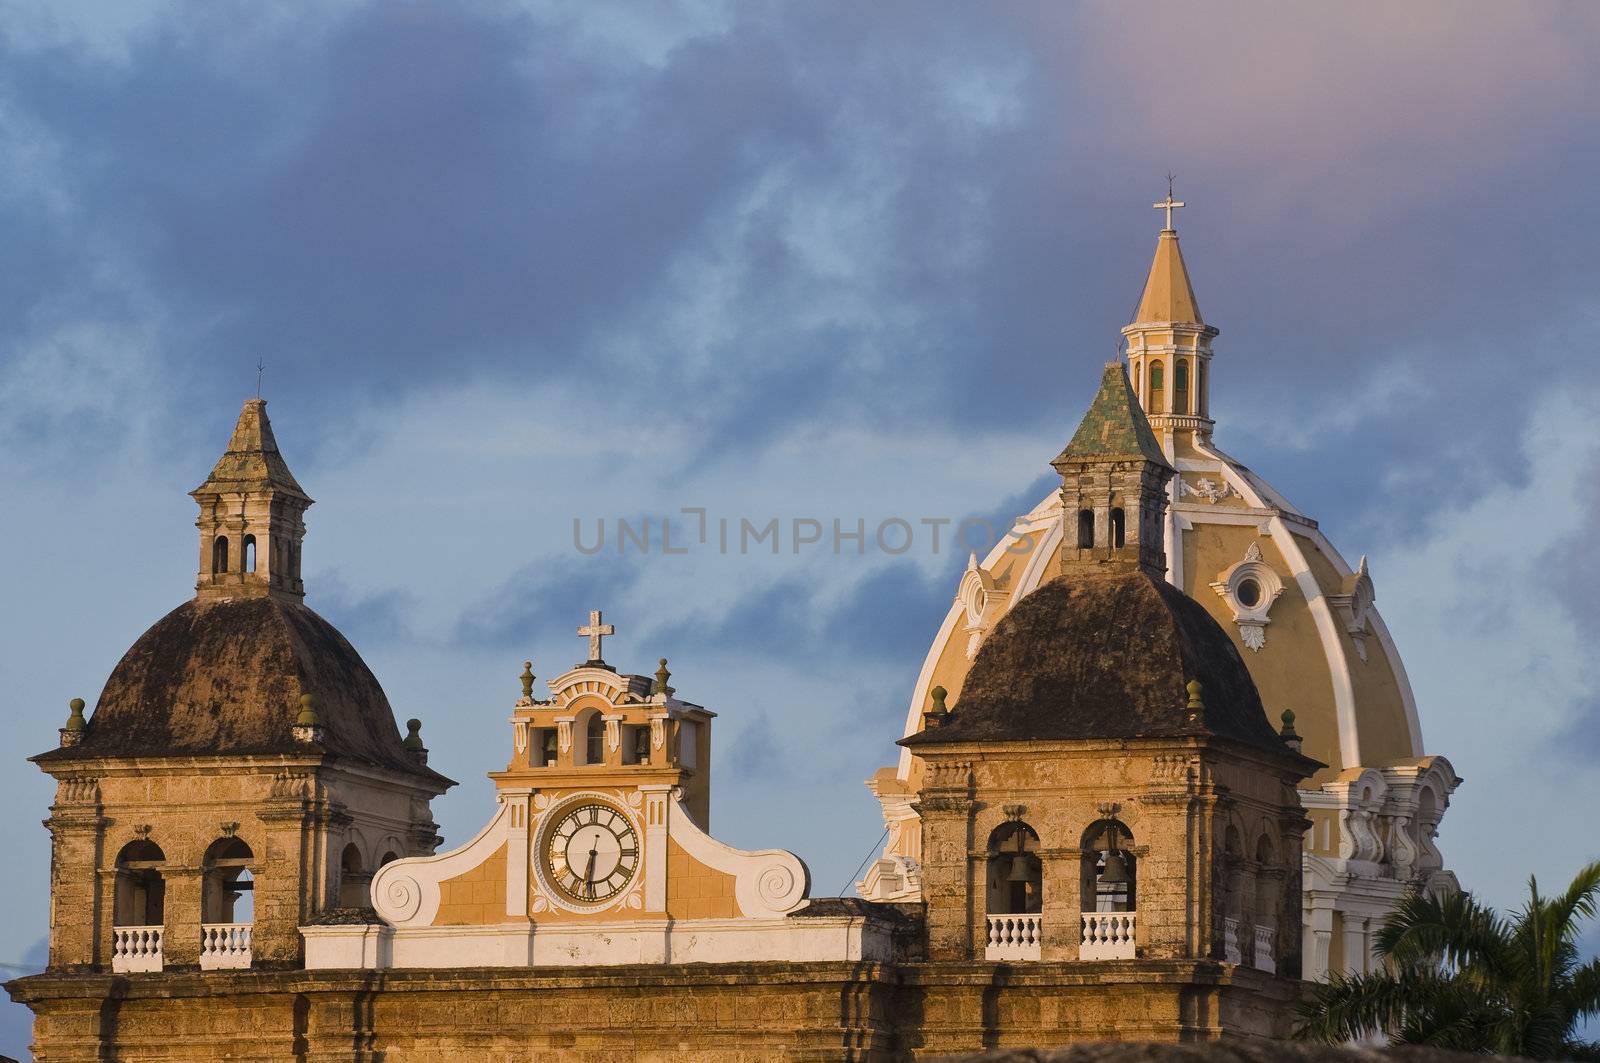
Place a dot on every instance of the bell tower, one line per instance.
(1113, 486)
(252, 517)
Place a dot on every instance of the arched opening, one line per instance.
(353, 879)
(1136, 370)
(388, 857)
(1085, 529)
(219, 555)
(549, 746)
(1180, 386)
(1263, 948)
(1016, 877)
(1202, 401)
(1108, 878)
(1119, 528)
(249, 556)
(1158, 389)
(140, 892)
(227, 892)
(594, 740)
(1233, 895)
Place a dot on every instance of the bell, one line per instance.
(1020, 872)
(1116, 872)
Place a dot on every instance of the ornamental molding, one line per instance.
(982, 603)
(1213, 491)
(546, 896)
(1250, 587)
(1353, 606)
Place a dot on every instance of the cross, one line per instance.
(260, 365)
(1169, 203)
(596, 632)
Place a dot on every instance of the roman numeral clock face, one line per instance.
(592, 853)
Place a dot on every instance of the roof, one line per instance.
(1115, 427)
(252, 461)
(1105, 656)
(223, 677)
(1168, 295)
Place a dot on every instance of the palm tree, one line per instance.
(1458, 975)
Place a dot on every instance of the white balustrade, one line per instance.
(224, 946)
(1107, 936)
(1014, 937)
(1230, 941)
(136, 949)
(1263, 956)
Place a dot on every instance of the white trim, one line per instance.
(406, 892)
(767, 882)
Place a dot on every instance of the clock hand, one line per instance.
(588, 872)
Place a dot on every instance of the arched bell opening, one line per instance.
(354, 879)
(1015, 875)
(219, 555)
(141, 890)
(227, 890)
(1085, 529)
(1108, 869)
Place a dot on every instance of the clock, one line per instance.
(591, 854)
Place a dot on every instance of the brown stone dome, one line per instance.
(223, 677)
(1105, 656)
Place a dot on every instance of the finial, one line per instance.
(937, 710)
(413, 742)
(308, 725)
(72, 733)
(1169, 204)
(938, 694)
(1290, 736)
(527, 678)
(1196, 704)
(662, 675)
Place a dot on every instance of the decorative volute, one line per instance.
(251, 517)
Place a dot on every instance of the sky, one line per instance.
(512, 265)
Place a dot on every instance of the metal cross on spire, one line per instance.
(1169, 204)
(596, 631)
(260, 365)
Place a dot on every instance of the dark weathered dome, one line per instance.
(1105, 656)
(223, 676)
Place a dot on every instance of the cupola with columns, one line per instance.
(1168, 342)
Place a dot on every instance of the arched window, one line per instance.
(226, 894)
(1015, 876)
(594, 740)
(1108, 879)
(1119, 527)
(1158, 389)
(141, 892)
(1136, 368)
(1180, 386)
(548, 746)
(1201, 400)
(249, 557)
(1085, 529)
(353, 879)
(388, 858)
(219, 555)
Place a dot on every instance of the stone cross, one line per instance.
(596, 632)
(1168, 204)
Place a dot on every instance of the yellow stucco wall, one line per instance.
(476, 898)
(695, 891)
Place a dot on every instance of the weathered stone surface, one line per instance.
(1233, 1052)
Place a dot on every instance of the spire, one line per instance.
(251, 516)
(1168, 295)
(1113, 486)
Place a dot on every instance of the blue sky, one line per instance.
(512, 264)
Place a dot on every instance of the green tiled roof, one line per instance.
(1115, 427)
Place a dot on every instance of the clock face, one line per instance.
(592, 853)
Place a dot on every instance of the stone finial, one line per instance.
(308, 725)
(938, 694)
(1290, 736)
(527, 678)
(937, 709)
(660, 685)
(413, 742)
(72, 733)
(1197, 705)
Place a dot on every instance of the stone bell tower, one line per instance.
(1107, 790)
(241, 775)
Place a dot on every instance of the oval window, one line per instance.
(1249, 593)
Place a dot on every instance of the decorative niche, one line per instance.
(1250, 587)
(982, 603)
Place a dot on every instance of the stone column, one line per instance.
(1318, 939)
(1062, 905)
(946, 876)
(283, 884)
(80, 911)
(180, 945)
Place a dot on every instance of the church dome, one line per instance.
(224, 676)
(1105, 656)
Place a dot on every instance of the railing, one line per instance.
(1230, 941)
(1107, 936)
(1263, 950)
(1014, 937)
(224, 946)
(136, 949)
